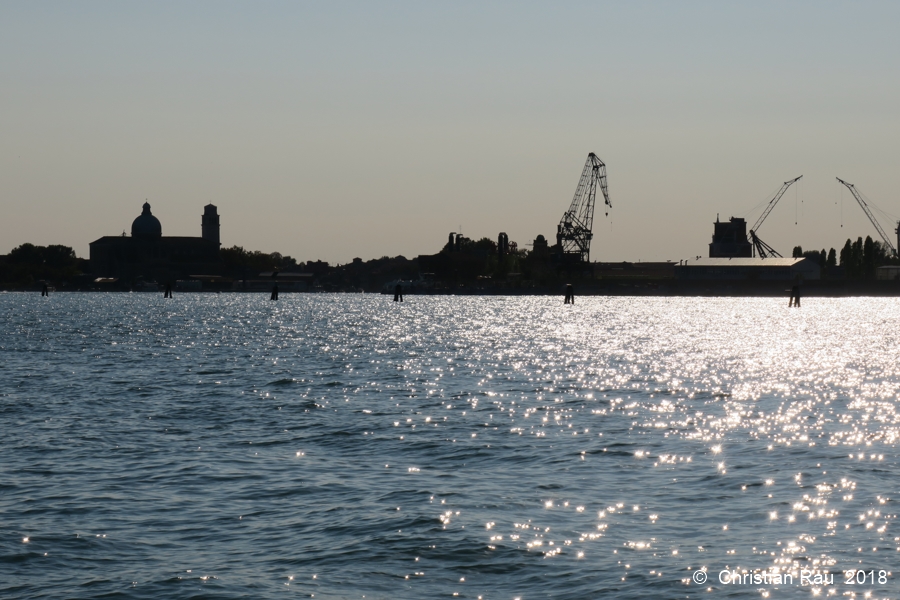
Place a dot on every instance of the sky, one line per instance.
(334, 130)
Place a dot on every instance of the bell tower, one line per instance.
(210, 224)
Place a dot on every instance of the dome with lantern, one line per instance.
(146, 226)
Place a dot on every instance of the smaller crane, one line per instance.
(573, 234)
(865, 207)
(760, 247)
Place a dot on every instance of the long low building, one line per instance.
(634, 270)
(749, 269)
(888, 273)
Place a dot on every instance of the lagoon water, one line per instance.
(345, 446)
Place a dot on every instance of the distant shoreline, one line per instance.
(636, 287)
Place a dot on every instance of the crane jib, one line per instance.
(573, 234)
(773, 202)
(865, 207)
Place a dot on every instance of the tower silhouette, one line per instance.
(211, 224)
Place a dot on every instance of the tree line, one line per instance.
(859, 259)
(28, 264)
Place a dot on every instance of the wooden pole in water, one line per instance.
(274, 285)
(795, 297)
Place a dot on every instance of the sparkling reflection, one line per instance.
(611, 449)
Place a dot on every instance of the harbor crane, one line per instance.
(573, 234)
(865, 207)
(760, 247)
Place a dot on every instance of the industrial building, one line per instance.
(888, 273)
(730, 239)
(286, 282)
(149, 255)
(749, 269)
(632, 270)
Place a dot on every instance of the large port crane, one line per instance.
(865, 207)
(760, 247)
(573, 234)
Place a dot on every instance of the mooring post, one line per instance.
(398, 293)
(795, 297)
(570, 294)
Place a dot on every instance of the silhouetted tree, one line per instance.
(856, 258)
(28, 263)
(798, 252)
(815, 256)
(238, 259)
(485, 246)
(868, 258)
(846, 253)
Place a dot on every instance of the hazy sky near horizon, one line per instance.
(334, 130)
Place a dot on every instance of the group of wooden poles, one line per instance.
(398, 294)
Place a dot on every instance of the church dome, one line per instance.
(146, 226)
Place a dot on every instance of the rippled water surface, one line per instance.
(345, 446)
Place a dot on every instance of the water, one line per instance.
(344, 446)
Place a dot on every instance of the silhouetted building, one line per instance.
(146, 254)
(640, 270)
(210, 224)
(749, 269)
(729, 239)
(286, 281)
(889, 272)
(540, 246)
(146, 226)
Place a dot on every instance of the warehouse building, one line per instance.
(749, 269)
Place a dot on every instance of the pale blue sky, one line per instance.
(340, 129)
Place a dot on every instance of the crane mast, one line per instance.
(573, 234)
(760, 247)
(865, 207)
